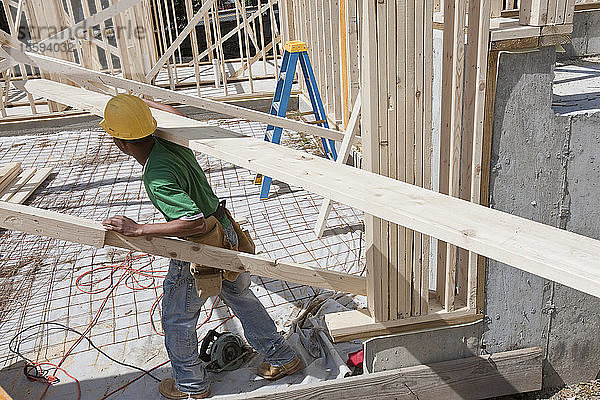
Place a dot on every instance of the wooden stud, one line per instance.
(419, 74)
(217, 23)
(369, 124)
(476, 125)
(427, 142)
(390, 107)
(343, 155)
(455, 138)
(398, 146)
(247, 35)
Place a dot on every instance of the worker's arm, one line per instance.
(163, 107)
(176, 227)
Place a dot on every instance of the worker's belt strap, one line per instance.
(220, 212)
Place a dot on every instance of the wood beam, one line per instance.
(543, 250)
(471, 378)
(78, 230)
(71, 69)
(358, 324)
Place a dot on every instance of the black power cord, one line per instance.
(34, 372)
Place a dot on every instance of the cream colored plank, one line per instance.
(10, 178)
(10, 191)
(478, 126)
(8, 169)
(27, 190)
(78, 230)
(68, 68)
(358, 324)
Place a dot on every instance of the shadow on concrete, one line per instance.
(343, 230)
(19, 387)
(576, 102)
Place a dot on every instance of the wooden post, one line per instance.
(477, 57)
(458, 65)
(369, 123)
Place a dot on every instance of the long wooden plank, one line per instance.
(74, 229)
(549, 252)
(27, 190)
(9, 169)
(74, 70)
(23, 178)
(369, 132)
(483, 41)
(470, 378)
(458, 65)
(358, 324)
(10, 178)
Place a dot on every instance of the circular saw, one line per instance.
(223, 351)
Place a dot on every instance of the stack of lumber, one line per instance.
(17, 184)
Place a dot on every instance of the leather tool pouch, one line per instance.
(209, 280)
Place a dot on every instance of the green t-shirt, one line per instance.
(176, 184)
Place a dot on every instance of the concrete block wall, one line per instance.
(585, 36)
(544, 167)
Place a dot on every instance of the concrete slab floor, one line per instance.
(47, 280)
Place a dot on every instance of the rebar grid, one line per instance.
(92, 179)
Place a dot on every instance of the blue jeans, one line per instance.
(181, 309)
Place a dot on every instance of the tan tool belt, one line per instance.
(209, 280)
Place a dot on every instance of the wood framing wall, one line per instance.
(142, 38)
(330, 28)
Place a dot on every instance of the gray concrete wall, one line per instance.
(585, 37)
(544, 167)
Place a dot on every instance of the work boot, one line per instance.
(267, 371)
(168, 389)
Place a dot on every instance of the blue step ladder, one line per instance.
(294, 50)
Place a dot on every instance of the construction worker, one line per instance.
(178, 188)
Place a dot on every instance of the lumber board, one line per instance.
(358, 324)
(4, 395)
(543, 250)
(478, 120)
(71, 69)
(48, 223)
(10, 178)
(470, 378)
(79, 230)
(27, 190)
(7, 171)
(22, 179)
(369, 131)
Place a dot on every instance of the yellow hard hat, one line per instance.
(128, 117)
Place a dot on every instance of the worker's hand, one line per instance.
(123, 225)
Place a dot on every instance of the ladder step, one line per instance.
(275, 107)
(321, 121)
